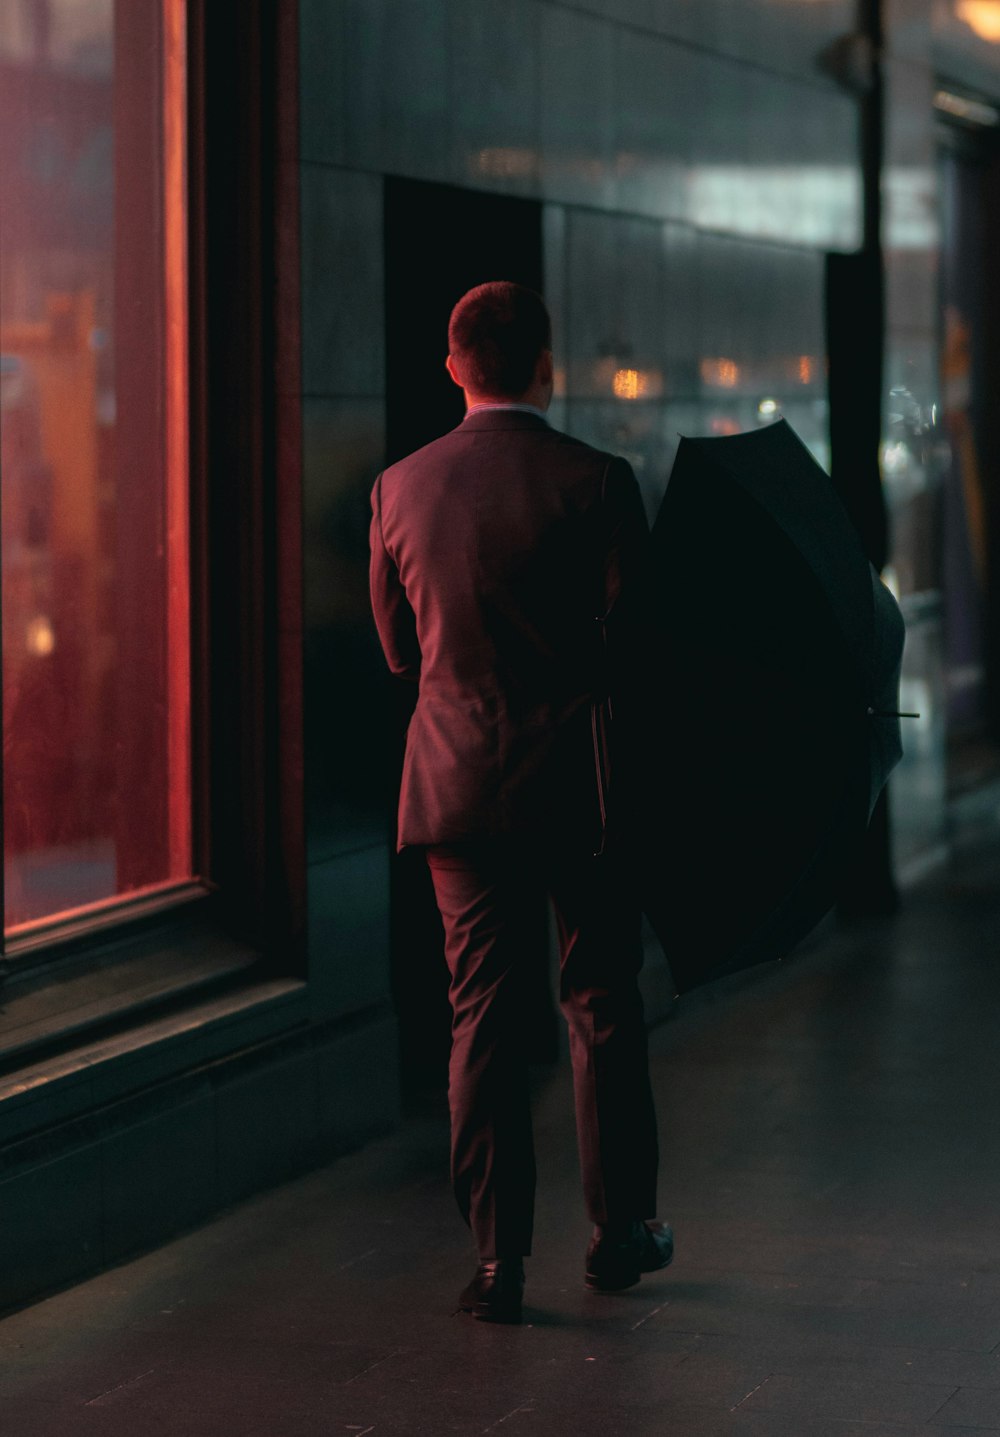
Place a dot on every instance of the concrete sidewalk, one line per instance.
(831, 1165)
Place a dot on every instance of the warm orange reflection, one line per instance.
(93, 405)
(40, 638)
(806, 369)
(982, 16)
(721, 373)
(636, 383)
(176, 432)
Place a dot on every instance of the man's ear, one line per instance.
(449, 364)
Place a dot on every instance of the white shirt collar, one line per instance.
(520, 408)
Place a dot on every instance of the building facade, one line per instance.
(230, 242)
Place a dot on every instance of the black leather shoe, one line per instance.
(614, 1263)
(495, 1293)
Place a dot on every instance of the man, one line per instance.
(493, 552)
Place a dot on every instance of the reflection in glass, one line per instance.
(720, 373)
(982, 17)
(96, 797)
(805, 204)
(969, 324)
(631, 383)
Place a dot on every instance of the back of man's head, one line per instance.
(496, 334)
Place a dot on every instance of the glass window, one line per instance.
(93, 424)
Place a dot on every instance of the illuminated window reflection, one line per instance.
(720, 373)
(983, 17)
(637, 383)
(96, 777)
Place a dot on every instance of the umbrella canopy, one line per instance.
(777, 722)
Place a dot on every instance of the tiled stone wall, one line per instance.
(695, 161)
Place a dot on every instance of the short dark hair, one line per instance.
(496, 333)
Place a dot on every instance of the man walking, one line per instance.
(496, 553)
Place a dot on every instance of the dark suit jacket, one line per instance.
(494, 551)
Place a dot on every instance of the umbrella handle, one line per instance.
(889, 713)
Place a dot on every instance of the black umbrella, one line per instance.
(779, 714)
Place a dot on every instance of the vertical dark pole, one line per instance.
(252, 454)
(872, 127)
(856, 332)
(856, 321)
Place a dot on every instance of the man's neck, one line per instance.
(537, 397)
(517, 406)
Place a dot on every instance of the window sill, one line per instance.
(106, 1068)
(144, 986)
(38, 1017)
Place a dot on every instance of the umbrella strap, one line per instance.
(602, 798)
(602, 620)
(600, 717)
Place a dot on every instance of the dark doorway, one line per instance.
(439, 242)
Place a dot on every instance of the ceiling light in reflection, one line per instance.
(981, 16)
(40, 638)
(720, 373)
(768, 410)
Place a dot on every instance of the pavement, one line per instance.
(831, 1165)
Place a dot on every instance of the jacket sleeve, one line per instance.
(394, 617)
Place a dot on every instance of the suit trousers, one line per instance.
(487, 893)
